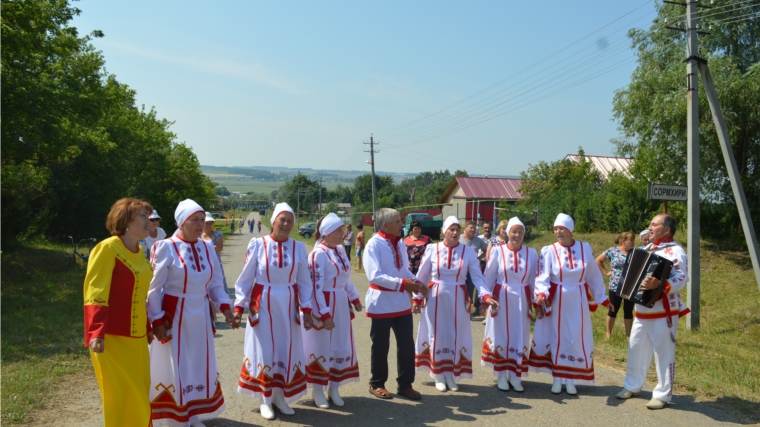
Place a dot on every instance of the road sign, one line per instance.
(667, 192)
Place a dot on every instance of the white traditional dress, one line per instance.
(654, 329)
(185, 384)
(444, 338)
(509, 279)
(331, 355)
(563, 342)
(273, 346)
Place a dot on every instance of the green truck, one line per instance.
(431, 225)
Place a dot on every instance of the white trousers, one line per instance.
(650, 337)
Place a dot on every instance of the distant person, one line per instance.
(487, 231)
(616, 255)
(415, 242)
(359, 244)
(251, 223)
(232, 226)
(644, 238)
(154, 233)
(115, 319)
(654, 329)
(217, 239)
(470, 239)
(348, 240)
(240, 226)
(259, 224)
(498, 237)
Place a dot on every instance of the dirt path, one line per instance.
(478, 399)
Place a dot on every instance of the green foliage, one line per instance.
(74, 140)
(651, 111)
(301, 192)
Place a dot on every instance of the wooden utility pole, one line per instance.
(374, 196)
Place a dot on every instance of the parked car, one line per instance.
(307, 230)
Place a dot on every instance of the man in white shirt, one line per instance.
(469, 238)
(388, 305)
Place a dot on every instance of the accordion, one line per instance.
(640, 264)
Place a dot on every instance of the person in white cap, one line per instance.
(275, 286)
(154, 233)
(654, 329)
(508, 292)
(387, 269)
(330, 353)
(569, 286)
(216, 238)
(185, 387)
(444, 338)
(644, 238)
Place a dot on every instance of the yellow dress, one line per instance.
(115, 291)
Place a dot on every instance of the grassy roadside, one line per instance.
(42, 326)
(718, 364)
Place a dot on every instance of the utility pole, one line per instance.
(695, 66)
(299, 193)
(692, 160)
(320, 197)
(372, 162)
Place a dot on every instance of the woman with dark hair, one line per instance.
(116, 325)
(616, 256)
(415, 242)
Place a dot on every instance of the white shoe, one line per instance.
(516, 384)
(503, 384)
(282, 406)
(440, 385)
(451, 384)
(656, 403)
(335, 396)
(626, 394)
(557, 386)
(319, 399)
(570, 387)
(266, 411)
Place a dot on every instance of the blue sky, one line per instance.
(303, 84)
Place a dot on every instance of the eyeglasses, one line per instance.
(155, 219)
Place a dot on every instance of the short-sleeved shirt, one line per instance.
(616, 257)
(348, 238)
(415, 249)
(478, 243)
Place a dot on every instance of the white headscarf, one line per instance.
(448, 223)
(329, 224)
(185, 209)
(514, 221)
(280, 208)
(566, 221)
(644, 233)
(209, 217)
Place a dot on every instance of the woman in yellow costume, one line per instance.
(115, 319)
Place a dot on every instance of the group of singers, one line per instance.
(300, 306)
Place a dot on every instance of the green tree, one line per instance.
(651, 110)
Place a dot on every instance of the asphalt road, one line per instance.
(477, 401)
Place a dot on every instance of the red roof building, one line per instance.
(471, 198)
(605, 164)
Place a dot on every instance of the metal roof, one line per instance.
(604, 165)
(484, 188)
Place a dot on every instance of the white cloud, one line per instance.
(253, 72)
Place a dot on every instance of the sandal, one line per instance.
(410, 393)
(380, 392)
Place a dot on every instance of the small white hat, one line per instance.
(209, 217)
(154, 215)
(514, 221)
(644, 233)
(564, 220)
(185, 209)
(329, 224)
(449, 222)
(280, 208)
